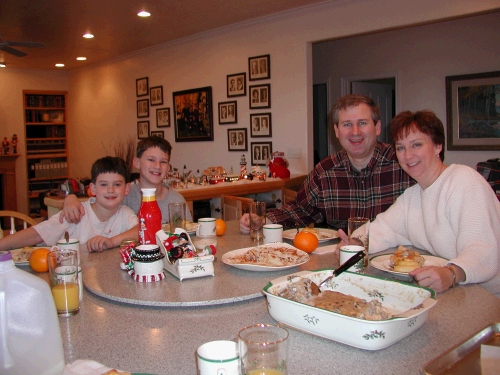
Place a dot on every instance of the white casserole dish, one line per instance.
(364, 334)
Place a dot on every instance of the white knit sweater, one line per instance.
(457, 218)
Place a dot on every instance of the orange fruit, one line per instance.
(220, 227)
(306, 241)
(38, 260)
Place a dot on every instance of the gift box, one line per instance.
(183, 268)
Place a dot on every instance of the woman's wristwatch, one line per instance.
(453, 276)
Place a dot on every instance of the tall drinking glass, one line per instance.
(257, 211)
(63, 274)
(358, 229)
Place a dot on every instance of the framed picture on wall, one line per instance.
(236, 85)
(193, 115)
(260, 96)
(141, 86)
(142, 129)
(237, 139)
(260, 125)
(261, 151)
(259, 67)
(473, 111)
(228, 113)
(158, 133)
(163, 117)
(156, 95)
(143, 108)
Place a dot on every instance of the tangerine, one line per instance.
(38, 260)
(306, 241)
(220, 227)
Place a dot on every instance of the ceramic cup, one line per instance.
(272, 233)
(205, 226)
(346, 252)
(263, 349)
(257, 211)
(63, 275)
(218, 357)
(177, 216)
(358, 230)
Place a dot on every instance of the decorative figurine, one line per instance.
(14, 144)
(243, 167)
(5, 146)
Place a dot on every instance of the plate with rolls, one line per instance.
(403, 261)
(323, 234)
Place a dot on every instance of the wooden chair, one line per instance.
(288, 195)
(15, 216)
(233, 207)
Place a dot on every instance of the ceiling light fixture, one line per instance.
(60, 65)
(3, 65)
(143, 13)
(88, 35)
(81, 58)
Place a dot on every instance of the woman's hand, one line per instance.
(436, 278)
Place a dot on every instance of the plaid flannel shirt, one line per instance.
(334, 191)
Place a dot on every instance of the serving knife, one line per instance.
(345, 266)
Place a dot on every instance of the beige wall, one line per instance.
(421, 57)
(102, 102)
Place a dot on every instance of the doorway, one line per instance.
(320, 122)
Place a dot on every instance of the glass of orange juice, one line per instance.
(263, 350)
(63, 274)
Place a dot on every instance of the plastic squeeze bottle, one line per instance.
(30, 337)
(149, 217)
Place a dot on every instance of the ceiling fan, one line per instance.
(6, 46)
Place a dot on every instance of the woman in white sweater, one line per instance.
(452, 212)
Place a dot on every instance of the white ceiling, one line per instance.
(60, 24)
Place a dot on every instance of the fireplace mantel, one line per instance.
(8, 171)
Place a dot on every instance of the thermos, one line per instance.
(149, 217)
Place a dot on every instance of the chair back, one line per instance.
(15, 217)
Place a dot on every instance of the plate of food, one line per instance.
(403, 261)
(22, 255)
(323, 234)
(271, 257)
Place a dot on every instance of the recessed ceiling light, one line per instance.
(3, 65)
(59, 65)
(143, 13)
(88, 36)
(81, 58)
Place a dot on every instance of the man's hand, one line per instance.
(245, 224)
(72, 210)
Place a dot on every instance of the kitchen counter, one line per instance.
(202, 192)
(163, 340)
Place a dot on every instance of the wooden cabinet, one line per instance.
(46, 143)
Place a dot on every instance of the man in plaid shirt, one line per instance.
(363, 179)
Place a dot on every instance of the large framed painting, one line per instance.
(473, 111)
(193, 115)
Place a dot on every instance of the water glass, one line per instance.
(257, 212)
(177, 216)
(358, 230)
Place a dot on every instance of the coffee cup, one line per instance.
(272, 233)
(205, 226)
(346, 252)
(218, 357)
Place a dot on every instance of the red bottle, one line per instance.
(149, 217)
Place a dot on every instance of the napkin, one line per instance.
(89, 367)
(490, 359)
(325, 249)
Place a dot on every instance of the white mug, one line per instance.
(218, 357)
(206, 226)
(273, 233)
(71, 244)
(346, 252)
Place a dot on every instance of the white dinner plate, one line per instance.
(24, 259)
(325, 234)
(383, 263)
(260, 268)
